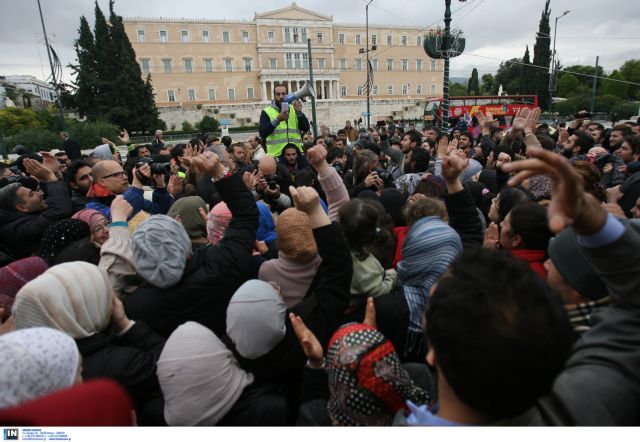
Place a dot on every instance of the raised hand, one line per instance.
(41, 172)
(124, 136)
(492, 237)
(519, 121)
(175, 186)
(121, 210)
(305, 198)
(317, 155)
(370, 314)
(443, 147)
(531, 121)
(570, 205)
(308, 341)
(453, 165)
(118, 316)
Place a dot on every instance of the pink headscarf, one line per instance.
(89, 216)
(13, 276)
(218, 220)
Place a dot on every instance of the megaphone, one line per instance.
(306, 91)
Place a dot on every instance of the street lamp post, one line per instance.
(446, 48)
(552, 77)
(368, 86)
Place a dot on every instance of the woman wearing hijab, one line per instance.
(13, 276)
(36, 362)
(77, 299)
(59, 236)
(203, 384)
(190, 210)
(98, 225)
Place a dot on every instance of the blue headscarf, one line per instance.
(428, 250)
(266, 227)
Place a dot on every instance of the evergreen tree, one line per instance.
(85, 84)
(526, 83)
(542, 58)
(509, 76)
(105, 66)
(487, 84)
(567, 85)
(473, 87)
(616, 88)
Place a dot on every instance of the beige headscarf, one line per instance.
(199, 377)
(74, 297)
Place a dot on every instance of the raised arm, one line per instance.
(329, 179)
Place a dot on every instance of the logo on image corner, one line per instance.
(11, 434)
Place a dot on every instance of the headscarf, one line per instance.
(160, 247)
(61, 234)
(408, 182)
(472, 170)
(199, 377)
(102, 152)
(218, 220)
(430, 246)
(192, 222)
(13, 276)
(90, 216)
(367, 382)
(295, 236)
(256, 319)
(34, 363)
(74, 297)
(266, 227)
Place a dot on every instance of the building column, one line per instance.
(317, 87)
(263, 86)
(339, 95)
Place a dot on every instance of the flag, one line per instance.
(368, 85)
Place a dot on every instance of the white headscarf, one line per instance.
(199, 377)
(74, 297)
(256, 319)
(34, 363)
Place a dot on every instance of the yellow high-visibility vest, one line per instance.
(284, 133)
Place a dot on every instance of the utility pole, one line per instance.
(313, 99)
(53, 72)
(552, 78)
(367, 69)
(593, 88)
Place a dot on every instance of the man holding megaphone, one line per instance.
(279, 125)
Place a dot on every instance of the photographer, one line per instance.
(271, 178)
(364, 175)
(110, 180)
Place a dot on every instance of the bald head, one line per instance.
(109, 174)
(104, 167)
(267, 165)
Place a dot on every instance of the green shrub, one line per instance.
(14, 120)
(186, 126)
(208, 124)
(35, 139)
(89, 134)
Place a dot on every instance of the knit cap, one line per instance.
(160, 247)
(295, 236)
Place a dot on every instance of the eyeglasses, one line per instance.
(121, 174)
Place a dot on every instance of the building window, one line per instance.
(225, 37)
(247, 65)
(231, 93)
(405, 64)
(419, 89)
(245, 36)
(374, 64)
(389, 40)
(295, 35)
(273, 63)
(166, 63)
(433, 89)
(358, 64)
(188, 66)
(359, 90)
(343, 64)
(287, 35)
(389, 64)
(145, 65)
(192, 94)
(374, 39)
(433, 65)
(171, 95)
(319, 36)
(341, 38)
(389, 89)
(374, 90)
(419, 40)
(320, 63)
(405, 89)
(208, 65)
(357, 39)
(205, 36)
(184, 36)
(418, 65)
(289, 58)
(164, 37)
(343, 91)
(271, 36)
(212, 94)
(404, 40)
(228, 66)
(140, 35)
(250, 93)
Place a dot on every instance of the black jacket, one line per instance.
(22, 232)
(211, 276)
(130, 360)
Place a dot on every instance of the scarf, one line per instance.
(218, 220)
(99, 191)
(428, 250)
(199, 377)
(15, 275)
(61, 234)
(187, 209)
(90, 216)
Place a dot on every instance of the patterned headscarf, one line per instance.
(61, 234)
(430, 246)
(367, 381)
(218, 220)
(13, 276)
(34, 363)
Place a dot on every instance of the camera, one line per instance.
(272, 181)
(339, 167)
(156, 169)
(385, 176)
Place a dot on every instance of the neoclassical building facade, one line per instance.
(208, 62)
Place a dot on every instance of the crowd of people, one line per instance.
(373, 276)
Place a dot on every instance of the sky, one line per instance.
(495, 30)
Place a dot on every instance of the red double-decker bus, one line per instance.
(502, 107)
